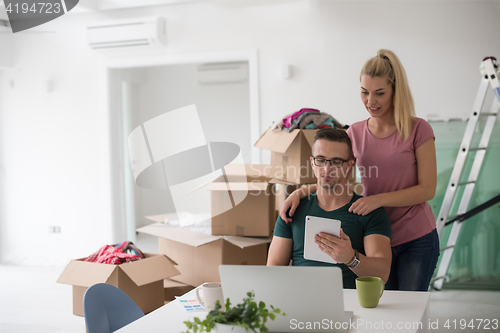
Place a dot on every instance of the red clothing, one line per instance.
(111, 255)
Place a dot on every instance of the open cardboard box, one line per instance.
(198, 256)
(173, 288)
(253, 213)
(141, 280)
(290, 154)
(283, 190)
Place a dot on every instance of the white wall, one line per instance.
(171, 87)
(54, 146)
(6, 60)
(224, 115)
(54, 149)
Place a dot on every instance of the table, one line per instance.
(398, 311)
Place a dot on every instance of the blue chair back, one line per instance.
(107, 309)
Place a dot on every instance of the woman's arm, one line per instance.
(422, 192)
(293, 201)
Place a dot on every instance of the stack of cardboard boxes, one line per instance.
(240, 233)
(245, 202)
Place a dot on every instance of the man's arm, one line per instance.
(280, 251)
(376, 262)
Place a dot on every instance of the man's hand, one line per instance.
(364, 206)
(339, 249)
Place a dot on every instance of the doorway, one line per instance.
(224, 89)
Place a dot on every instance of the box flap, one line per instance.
(180, 235)
(201, 185)
(166, 218)
(160, 218)
(236, 169)
(240, 186)
(244, 242)
(238, 173)
(277, 141)
(309, 135)
(173, 262)
(281, 181)
(167, 283)
(85, 274)
(152, 268)
(250, 170)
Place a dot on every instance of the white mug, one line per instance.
(212, 291)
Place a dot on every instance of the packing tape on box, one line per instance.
(170, 151)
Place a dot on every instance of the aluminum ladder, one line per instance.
(490, 77)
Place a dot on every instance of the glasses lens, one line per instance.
(319, 161)
(337, 162)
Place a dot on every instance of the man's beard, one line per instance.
(329, 185)
(332, 182)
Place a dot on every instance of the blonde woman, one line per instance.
(396, 151)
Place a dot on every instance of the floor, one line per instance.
(32, 302)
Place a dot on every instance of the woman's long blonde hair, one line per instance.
(387, 64)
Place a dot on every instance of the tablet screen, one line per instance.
(315, 225)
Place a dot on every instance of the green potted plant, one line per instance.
(246, 316)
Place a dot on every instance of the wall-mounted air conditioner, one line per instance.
(144, 32)
(223, 73)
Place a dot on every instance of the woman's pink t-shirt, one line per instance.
(389, 164)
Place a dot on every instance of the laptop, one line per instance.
(312, 297)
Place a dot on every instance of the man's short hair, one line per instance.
(335, 135)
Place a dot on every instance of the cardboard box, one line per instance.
(283, 190)
(198, 256)
(290, 154)
(173, 288)
(141, 280)
(260, 172)
(252, 211)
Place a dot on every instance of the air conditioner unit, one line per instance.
(223, 73)
(144, 32)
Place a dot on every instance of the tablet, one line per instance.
(315, 225)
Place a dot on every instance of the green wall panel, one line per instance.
(476, 259)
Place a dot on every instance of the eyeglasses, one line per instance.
(334, 162)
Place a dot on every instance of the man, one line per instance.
(364, 246)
